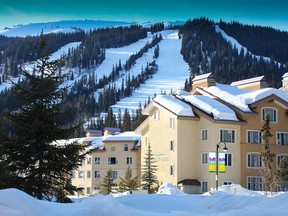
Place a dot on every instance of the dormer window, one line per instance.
(272, 112)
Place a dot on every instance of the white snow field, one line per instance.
(169, 201)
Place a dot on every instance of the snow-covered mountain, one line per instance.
(64, 26)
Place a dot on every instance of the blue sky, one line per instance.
(258, 12)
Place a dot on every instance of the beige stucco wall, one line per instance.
(188, 147)
(103, 167)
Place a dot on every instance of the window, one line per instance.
(254, 160)
(227, 183)
(204, 134)
(204, 186)
(171, 145)
(254, 183)
(89, 160)
(227, 135)
(97, 160)
(171, 123)
(156, 115)
(171, 170)
(72, 174)
(114, 174)
(125, 147)
(204, 158)
(280, 157)
(113, 148)
(96, 174)
(146, 141)
(112, 160)
(88, 174)
(88, 190)
(282, 138)
(272, 112)
(80, 174)
(228, 159)
(254, 137)
(129, 160)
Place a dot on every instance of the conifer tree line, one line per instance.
(91, 52)
(205, 51)
(264, 41)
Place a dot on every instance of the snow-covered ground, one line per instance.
(170, 77)
(229, 200)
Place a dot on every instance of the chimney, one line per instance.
(252, 83)
(204, 80)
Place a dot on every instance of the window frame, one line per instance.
(230, 164)
(88, 174)
(275, 114)
(89, 160)
(114, 174)
(278, 138)
(97, 160)
(80, 174)
(171, 123)
(171, 145)
(112, 162)
(204, 186)
(222, 136)
(278, 160)
(156, 115)
(250, 140)
(171, 170)
(129, 160)
(249, 162)
(256, 187)
(204, 134)
(126, 147)
(96, 174)
(204, 158)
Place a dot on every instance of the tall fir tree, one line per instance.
(267, 157)
(149, 179)
(38, 163)
(107, 183)
(128, 183)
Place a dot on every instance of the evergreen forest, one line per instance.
(203, 48)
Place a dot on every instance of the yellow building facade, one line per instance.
(116, 152)
(184, 129)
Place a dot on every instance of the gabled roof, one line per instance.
(211, 106)
(250, 80)
(243, 99)
(172, 104)
(203, 76)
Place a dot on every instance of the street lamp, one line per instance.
(225, 149)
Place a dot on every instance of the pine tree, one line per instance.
(107, 183)
(128, 183)
(282, 174)
(267, 157)
(149, 179)
(39, 164)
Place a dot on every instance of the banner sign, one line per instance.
(221, 162)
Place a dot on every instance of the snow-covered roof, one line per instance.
(174, 105)
(203, 76)
(243, 98)
(125, 136)
(211, 106)
(285, 75)
(251, 80)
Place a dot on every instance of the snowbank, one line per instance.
(228, 200)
